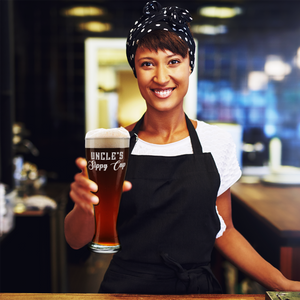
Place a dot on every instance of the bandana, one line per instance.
(173, 19)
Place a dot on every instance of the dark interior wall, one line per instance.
(49, 74)
(49, 78)
(6, 92)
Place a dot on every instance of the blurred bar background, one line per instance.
(64, 71)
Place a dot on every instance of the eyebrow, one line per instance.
(151, 58)
(145, 58)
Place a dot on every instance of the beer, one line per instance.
(107, 152)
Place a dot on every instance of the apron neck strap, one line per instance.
(197, 148)
(134, 133)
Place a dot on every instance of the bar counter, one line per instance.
(10, 296)
(276, 209)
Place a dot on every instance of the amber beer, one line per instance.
(107, 153)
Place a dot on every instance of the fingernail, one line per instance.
(93, 187)
(95, 199)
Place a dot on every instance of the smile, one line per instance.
(163, 93)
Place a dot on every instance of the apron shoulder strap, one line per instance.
(134, 133)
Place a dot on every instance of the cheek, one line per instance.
(184, 76)
(142, 86)
(184, 80)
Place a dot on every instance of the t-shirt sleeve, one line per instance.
(223, 149)
(229, 168)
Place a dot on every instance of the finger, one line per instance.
(127, 186)
(80, 195)
(86, 206)
(82, 164)
(85, 182)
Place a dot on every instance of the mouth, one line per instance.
(163, 93)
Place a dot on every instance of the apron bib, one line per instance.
(167, 224)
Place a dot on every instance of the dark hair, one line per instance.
(164, 40)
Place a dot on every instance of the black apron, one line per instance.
(167, 224)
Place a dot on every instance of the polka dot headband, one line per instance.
(173, 19)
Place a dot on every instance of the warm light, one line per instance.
(94, 26)
(276, 68)
(209, 29)
(19, 208)
(107, 56)
(106, 78)
(257, 81)
(220, 12)
(83, 11)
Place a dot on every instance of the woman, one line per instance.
(177, 204)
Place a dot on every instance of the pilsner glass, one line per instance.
(107, 152)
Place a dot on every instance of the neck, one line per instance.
(163, 127)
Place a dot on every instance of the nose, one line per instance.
(161, 75)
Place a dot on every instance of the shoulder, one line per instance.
(212, 136)
(130, 127)
(220, 143)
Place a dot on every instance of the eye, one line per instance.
(146, 64)
(174, 61)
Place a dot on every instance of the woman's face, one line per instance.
(163, 78)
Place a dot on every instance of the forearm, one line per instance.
(238, 250)
(79, 228)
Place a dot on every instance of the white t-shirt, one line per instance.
(213, 139)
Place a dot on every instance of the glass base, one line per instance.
(103, 248)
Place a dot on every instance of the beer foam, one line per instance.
(107, 133)
(107, 138)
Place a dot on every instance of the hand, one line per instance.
(291, 286)
(82, 187)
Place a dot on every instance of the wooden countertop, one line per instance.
(277, 206)
(9, 296)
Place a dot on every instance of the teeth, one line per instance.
(163, 93)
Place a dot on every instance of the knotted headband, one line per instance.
(173, 19)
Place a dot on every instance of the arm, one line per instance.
(79, 223)
(237, 250)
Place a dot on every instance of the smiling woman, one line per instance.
(176, 204)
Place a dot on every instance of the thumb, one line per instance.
(82, 164)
